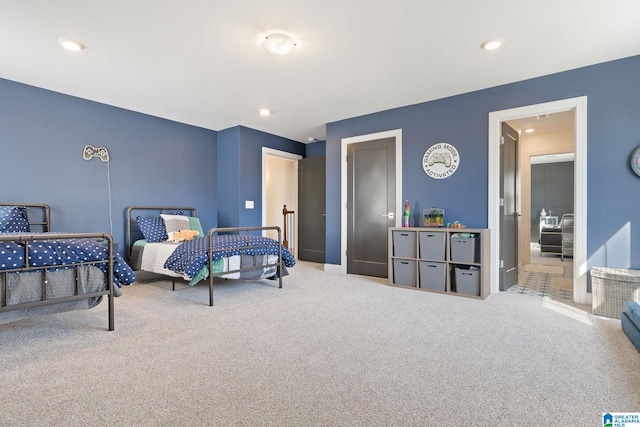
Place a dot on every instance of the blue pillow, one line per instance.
(13, 219)
(152, 228)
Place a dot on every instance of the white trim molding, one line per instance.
(276, 153)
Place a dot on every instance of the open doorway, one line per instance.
(280, 188)
(579, 108)
(546, 186)
(546, 178)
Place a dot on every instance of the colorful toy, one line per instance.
(406, 214)
(182, 235)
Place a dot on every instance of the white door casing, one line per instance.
(579, 105)
(293, 179)
(397, 134)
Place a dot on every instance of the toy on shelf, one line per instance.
(433, 217)
(406, 214)
(456, 224)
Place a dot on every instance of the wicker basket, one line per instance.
(611, 288)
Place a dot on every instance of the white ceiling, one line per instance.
(545, 124)
(199, 61)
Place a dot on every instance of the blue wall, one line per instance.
(152, 161)
(240, 177)
(316, 149)
(613, 192)
(229, 182)
(156, 161)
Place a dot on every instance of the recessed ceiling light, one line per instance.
(529, 130)
(492, 44)
(71, 44)
(278, 44)
(264, 112)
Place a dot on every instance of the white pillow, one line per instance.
(175, 223)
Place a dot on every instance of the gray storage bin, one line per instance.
(404, 243)
(432, 245)
(467, 281)
(433, 275)
(404, 272)
(465, 247)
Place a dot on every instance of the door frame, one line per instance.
(397, 134)
(579, 106)
(285, 155)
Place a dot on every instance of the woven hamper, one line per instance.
(611, 288)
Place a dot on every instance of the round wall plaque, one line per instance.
(440, 160)
(635, 160)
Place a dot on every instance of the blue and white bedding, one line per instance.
(47, 253)
(161, 252)
(13, 219)
(190, 258)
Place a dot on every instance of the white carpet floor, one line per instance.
(326, 350)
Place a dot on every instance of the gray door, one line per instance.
(509, 218)
(371, 198)
(311, 209)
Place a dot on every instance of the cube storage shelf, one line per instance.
(444, 260)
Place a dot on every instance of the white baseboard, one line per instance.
(333, 268)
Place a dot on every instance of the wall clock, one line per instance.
(635, 160)
(440, 160)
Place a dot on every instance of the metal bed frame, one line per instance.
(26, 238)
(244, 231)
(133, 230)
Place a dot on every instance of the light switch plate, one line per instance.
(248, 204)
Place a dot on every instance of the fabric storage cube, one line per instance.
(433, 275)
(432, 245)
(465, 248)
(404, 272)
(404, 243)
(467, 281)
(611, 288)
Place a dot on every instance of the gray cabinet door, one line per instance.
(311, 208)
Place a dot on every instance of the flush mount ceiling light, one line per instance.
(278, 44)
(492, 44)
(71, 44)
(264, 111)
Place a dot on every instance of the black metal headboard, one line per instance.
(39, 215)
(133, 212)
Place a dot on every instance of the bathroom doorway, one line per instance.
(579, 107)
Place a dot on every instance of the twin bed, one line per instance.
(42, 272)
(229, 253)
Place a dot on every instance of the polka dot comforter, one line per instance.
(191, 256)
(55, 252)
